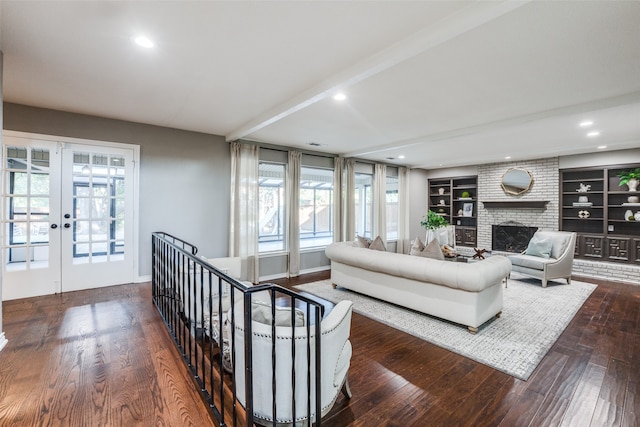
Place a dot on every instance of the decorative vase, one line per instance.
(637, 216)
(633, 199)
(628, 214)
(441, 191)
(583, 199)
(633, 184)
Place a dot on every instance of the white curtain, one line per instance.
(350, 194)
(243, 231)
(380, 202)
(338, 214)
(403, 211)
(292, 195)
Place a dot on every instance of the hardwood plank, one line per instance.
(583, 402)
(103, 357)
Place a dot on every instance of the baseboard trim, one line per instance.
(142, 279)
(3, 341)
(316, 269)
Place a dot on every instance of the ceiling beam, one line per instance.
(476, 14)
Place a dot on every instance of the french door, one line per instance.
(67, 217)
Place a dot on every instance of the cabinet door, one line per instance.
(592, 246)
(618, 248)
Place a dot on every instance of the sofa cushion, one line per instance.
(539, 246)
(472, 277)
(416, 247)
(362, 242)
(433, 251)
(378, 245)
(261, 313)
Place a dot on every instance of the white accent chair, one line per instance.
(557, 265)
(335, 360)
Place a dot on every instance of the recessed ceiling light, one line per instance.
(401, 156)
(585, 123)
(601, 147)
(507, 157)
(593, 134)
(339, 96)
(144, 42)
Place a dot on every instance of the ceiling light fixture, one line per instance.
(401, 156)
(601, 147)
(144, 42)
(593, 134)
(339, 96)
(507, 157)
(585, 123)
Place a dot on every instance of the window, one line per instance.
(392, 208)
(316, 207)
(364, 204)
(271, 206)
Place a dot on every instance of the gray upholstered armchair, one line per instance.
(548, 256)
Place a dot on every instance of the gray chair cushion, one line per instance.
(559, 241)
(529, 261)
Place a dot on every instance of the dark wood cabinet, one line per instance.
(456, 198)
(593, 204)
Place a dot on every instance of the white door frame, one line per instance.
(136, 181)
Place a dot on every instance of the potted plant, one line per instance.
(630, 178)
(432, 221)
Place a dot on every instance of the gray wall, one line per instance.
(418, 202)
(184, 176)
(1, 230)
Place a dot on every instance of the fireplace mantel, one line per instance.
(515, 204)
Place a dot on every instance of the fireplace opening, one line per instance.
(511, 237)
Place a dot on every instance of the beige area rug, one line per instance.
(532, 320)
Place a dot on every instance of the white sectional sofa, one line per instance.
(465, 293)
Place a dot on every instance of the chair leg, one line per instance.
(544, 283)
(569, 280)
(346, 390)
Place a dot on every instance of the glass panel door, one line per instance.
(67, 217)
(31, 257)
(97, 198)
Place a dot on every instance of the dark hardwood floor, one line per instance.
(103, 358)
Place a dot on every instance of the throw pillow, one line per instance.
(433, 251)
(540, 247)
(362, 242)
(378, 245)
(261, 312)
(416, 247)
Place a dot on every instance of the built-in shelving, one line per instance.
(447, 198)
(603, 231)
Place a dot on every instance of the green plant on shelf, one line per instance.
(433, 221)
(626, 176)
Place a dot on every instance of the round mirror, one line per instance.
(516, 181)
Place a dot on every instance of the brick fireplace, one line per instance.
(546, 178)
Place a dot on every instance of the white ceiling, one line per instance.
(444, 83)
